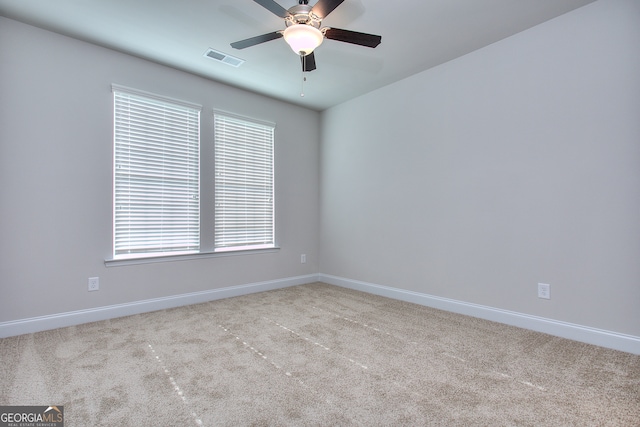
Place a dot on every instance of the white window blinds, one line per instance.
(157, 175)
(244, 206)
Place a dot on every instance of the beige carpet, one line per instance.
(317, 355)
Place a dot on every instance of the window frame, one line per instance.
(156, 175)
(264, 134)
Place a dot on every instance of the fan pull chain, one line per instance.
(304, 79)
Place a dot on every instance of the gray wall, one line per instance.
(516, 164)
(56, 174)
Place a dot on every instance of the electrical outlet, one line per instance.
(544, 291)
(303, 259)
(94, 283)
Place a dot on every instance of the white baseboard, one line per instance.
(609, 339)
(599, 337)
(43, 323)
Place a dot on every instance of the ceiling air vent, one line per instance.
(223, 57)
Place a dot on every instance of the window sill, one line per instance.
(117, 262)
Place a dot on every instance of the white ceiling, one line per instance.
(416, 35)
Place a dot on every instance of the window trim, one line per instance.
(119, 88)
(118, 262)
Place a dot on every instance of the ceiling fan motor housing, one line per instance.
(301, 14)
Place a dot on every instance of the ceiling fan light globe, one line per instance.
(302, 38)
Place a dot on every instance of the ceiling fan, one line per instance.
(303, 30)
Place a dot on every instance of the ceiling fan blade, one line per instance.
(308, 62)
(354, 37)
(324, 7)
(273, 7)
(256, 40)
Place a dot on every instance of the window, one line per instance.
(158, 208)
(156, 176)
(244, 189)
